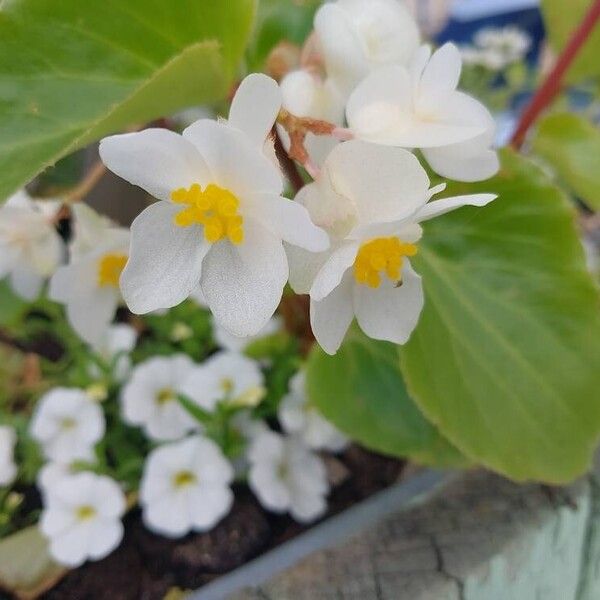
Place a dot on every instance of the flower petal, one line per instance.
(304, 267)
(255, 107)
(106, 535)
(441, 207)
(243, 284)
(388, 312)
(25, 282)
(449, 161)
(440, 77)
(332, 272)
(157, 160)
(164, 261)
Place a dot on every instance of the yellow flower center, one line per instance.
(86, 512)
(110, 268)
(165, 395)
(214, 207)
(183, 479)
(381, 255)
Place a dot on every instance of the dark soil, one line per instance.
(146, 566)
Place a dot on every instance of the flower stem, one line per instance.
(553, 83)
(87, 184)
(287, 164)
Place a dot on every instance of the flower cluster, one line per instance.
(497, 49)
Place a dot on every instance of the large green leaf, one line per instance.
(72, 71)
(571, 144)
(561, 18)
(362, 392)
(10, 304)
(506, 357)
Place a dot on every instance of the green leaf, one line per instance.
(571, 145)
(561, 19)
(72, 71)
(362, 392)
(11, 305)
(196, 412)
(506, 356)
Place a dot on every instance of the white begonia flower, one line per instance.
(116, 345)
(299, 418)
(30, 247)
(227, 377)
(221, 218)
(8, 468)
(501, 47)
(149, 399)
(371, 199)
(88, 229)
(67, 424)
(89, 285)
(82, 518)
(286, 476)
(233, 343)
(185, 487)
(420, 107)
(357, 37)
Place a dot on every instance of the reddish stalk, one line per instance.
(287, 164)
(553, 83)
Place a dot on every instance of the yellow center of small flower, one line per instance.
(165, 395)
(214, 207)
(68, 423)
(183, 479)
(381, 255)
(226, 385)
(110, 268)
(86, 512)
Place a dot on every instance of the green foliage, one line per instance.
(11, 306)
(571, 145)
(362, 392)
(506, 356)
(561, 18)
(74, 71)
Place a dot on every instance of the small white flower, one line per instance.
(357, 37)
(501, 47)
(221, 218)
(82, 518)
(116, 345)
(150, 397)
(88, 229)
(50, 474)
(299, 418)
(420, 107)
(8, 468)
(30, 247)
(229, 377)
(89, 284)
(185, 487)
(287, 477)
(67, 424)
(367, 273)
(233, 343)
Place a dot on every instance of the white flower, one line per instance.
(421, 108)
(8, 468)
(30, 247)
(501, 47)
(228, 377)
(298, 417)
(117, 343)
(89, 284)
(220, 220)
(286, 476)
(185, 487)
(371, 199)
(50, 474)
(150, 397)
(67, 424)
(82, 518)
(89, 229)
(231, 342)
(358, 36)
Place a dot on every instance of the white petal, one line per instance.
(307, 507)
(158, 160)
(168, 515)
(304, 267)
(106, 535)
(331, 317)
(90, 317)
(164, 261)
(332, 272)
(255, 107)
(448, 162)
(289, 221)
(441, 207)
(388, 312)
(235, 162)
(208, 505)
(26, 283)
(71, 548)
(440, 77)
(244, 284)
(271, 491)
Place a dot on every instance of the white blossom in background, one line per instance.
(149, 399)
(185, 487)
(116, 345)
(286, 476)
(233, 343)
(298, 417)
(420, 107)
(82, 518)
(51, 473)
(88, 229)
(89, 285)
(221, 218)
(227, 377)
(357, 37)
(30, 247)
(501, 47)
(67, 424)
(372, 200)
(8, 468)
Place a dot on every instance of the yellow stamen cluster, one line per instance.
(86, 512)
(214, 207)
(110, 268)
(165, 395)
(381, 255)
(183, 478)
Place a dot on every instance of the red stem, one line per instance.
(553, 83)
(287, 164)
